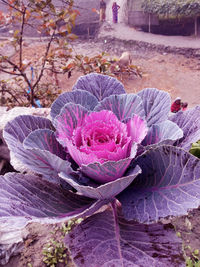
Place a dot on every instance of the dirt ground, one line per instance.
(176, 74)
(186, 227)
(179, 75)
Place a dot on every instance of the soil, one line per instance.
(186, 227)
(177, 74)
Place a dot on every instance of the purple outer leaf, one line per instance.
(46, 163)
(99, 85)
(106, 172)
(123, 106)
(156, 105)
(32, 198)
(106, 191)
(69, 118)
(44, 140)
(189, 122)
(81, 97)
(107, 240)
(18, 129)
(168, 186)
(164, 131)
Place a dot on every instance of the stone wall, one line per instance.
(119, 46)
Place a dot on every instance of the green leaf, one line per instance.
(195, 149)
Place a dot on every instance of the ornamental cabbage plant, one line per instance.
(118, 160)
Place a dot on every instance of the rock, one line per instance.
(12, 234)
(125, 59)
(7, 116)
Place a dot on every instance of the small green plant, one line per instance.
(192, 263)
(55, 251)
(66, 228)
(192, 256)
(195, 149)
(194, 259)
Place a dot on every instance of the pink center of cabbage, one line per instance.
(102, 136)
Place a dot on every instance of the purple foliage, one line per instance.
(32, 198)
(169, 185)
(80, 97)
(100, 86)
(105, 191)
(107, 239)
(165, 132)
(105, 146)
(189, 122)
(156, 105)
(123, 106)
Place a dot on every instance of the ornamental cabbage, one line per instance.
(105, 147)
(99, 137)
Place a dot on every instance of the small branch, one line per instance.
(8, 4)
(54, 71)
(7, 91)
(9, 72)
(20, 71)
(44, 61)
(21, 37)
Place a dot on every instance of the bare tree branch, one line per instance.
(10, 72)
(21, 74)
(9, 92)
(44, 61)
(12, 6)
(21, 37)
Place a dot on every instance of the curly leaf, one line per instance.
(32, 198)
(71, 116)
(42, 153)
(165, 131)
(106, 191)
(44, 139)
(156, 105)
(18, 129)
(189, 122)
(105, 239)
(80, 97)
(123, 106)
(99, 85)
(169, 185)
(107, 171)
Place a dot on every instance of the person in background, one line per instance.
(115, 8)
(176, 105)
(102, 12)
(184, 106)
